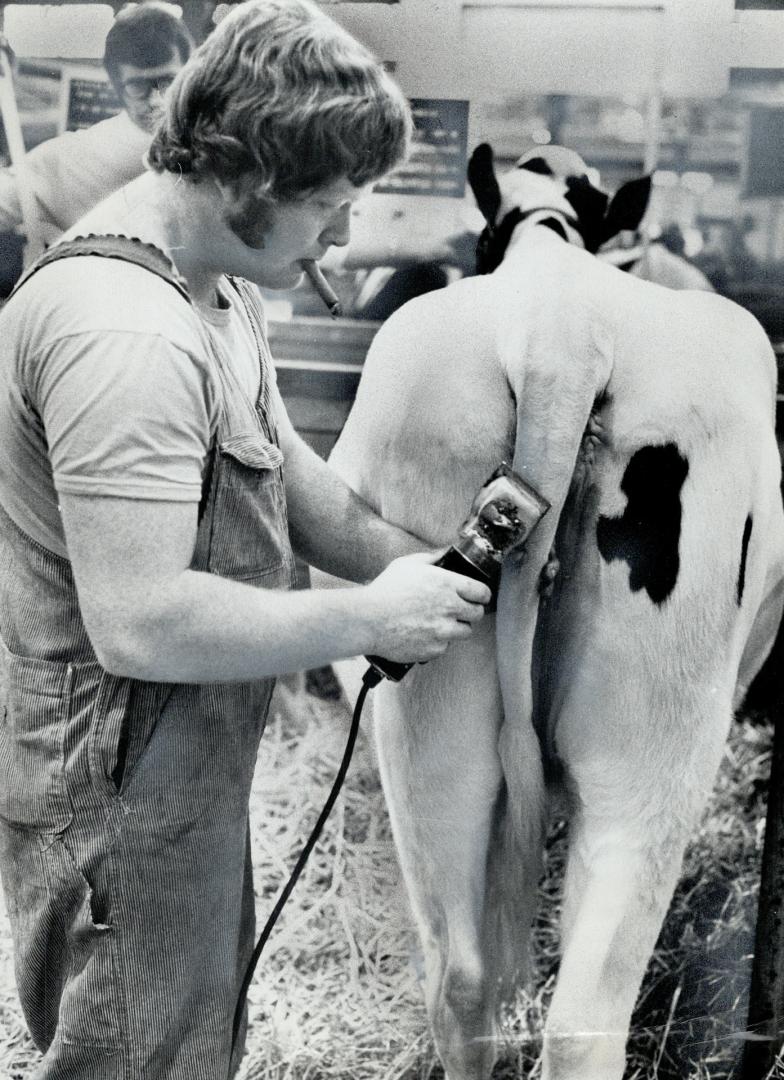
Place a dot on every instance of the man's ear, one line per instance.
(627, 208)
(481, 177)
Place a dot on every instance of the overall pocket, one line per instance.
(249, 535)
(123, 721)
(35, 705)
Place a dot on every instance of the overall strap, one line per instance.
(254, 311)
(132, 250)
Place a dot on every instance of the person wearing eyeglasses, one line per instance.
(70, 174)
(145, 48)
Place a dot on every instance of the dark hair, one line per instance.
(281, 100)
(145, 35)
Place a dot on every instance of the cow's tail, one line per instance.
(514, 860)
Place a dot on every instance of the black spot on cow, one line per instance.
(744, 551)
(647, 534)
(537, 165)
(556, 225)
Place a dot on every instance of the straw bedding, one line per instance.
(338, 992)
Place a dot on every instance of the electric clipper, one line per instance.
(503, 515)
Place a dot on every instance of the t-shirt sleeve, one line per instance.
(125, 414)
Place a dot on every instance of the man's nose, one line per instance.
(338, 232)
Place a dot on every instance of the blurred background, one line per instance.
(691, 91)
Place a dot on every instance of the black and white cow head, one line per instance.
(550, 185)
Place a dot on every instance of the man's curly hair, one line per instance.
(278, 101)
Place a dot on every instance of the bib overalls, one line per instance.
(124, 842)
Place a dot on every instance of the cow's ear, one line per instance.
(627, 207)
(481, 177)
(590, 206)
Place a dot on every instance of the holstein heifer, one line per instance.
(646, 417)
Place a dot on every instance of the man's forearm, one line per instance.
(333, 528)
(203, 628)
(197, 627)
(150, 616)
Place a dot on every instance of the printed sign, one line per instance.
(87, 101)
(439, 154)
(764, 176)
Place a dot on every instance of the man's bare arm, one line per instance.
(331, 526)
(149, 616)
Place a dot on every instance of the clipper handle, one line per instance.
(504, 513)
(455, 560)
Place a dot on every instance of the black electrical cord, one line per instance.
(370, 679)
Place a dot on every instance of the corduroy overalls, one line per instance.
(124, 842)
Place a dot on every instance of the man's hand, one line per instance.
(419, 608)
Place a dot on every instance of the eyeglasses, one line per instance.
(143, 88)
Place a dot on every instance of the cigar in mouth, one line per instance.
(322, 287)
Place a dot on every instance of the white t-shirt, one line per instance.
(107, 388)
(72, 173)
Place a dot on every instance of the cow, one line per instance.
(625, 634)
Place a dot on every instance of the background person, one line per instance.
(150, 482)
(145, 48)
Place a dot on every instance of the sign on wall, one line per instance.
(439, 154)
(764, 176)
(87, 98)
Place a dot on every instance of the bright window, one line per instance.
(58, 30)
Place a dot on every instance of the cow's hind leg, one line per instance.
(638, 807)
(437, 740)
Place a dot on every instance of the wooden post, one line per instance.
(16, 149)
(766, 1002)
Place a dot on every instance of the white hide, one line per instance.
(638, 694)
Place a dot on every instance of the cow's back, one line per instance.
(433, 414)
(685, 397)
(672, 504)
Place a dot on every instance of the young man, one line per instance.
(149, 483)
(145, 48)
